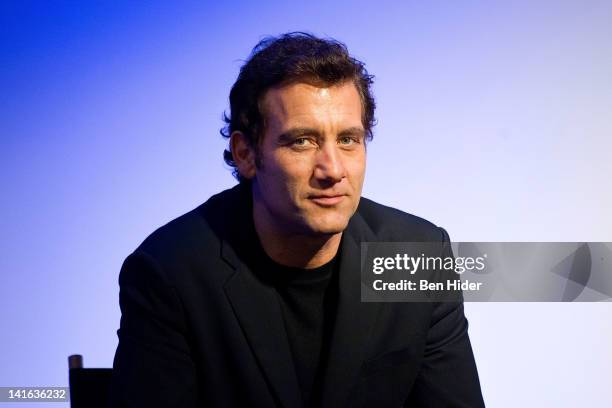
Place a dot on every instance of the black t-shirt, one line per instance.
(308, 301)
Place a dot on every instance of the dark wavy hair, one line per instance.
(289, 58)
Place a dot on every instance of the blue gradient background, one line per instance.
(109, 119)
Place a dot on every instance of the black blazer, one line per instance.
(199, 328)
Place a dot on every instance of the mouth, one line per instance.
(327, 200)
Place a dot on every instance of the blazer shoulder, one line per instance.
(391, 224)
(194, 230)
(176, 233)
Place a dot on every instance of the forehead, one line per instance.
(313, 104)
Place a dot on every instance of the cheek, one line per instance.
(288, 174)
(294, 168)
(356, 168)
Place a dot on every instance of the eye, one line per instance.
(302, 142)
(347, 140)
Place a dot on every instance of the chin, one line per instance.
(332, 226)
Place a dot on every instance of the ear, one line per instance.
(243, 154)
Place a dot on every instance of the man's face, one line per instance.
(312, 157)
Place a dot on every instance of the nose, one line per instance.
(329, 166)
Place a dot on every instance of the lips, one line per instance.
(327, 200)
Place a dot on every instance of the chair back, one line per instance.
(89, 387)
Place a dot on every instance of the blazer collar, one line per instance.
(258, 311)
(254, 301)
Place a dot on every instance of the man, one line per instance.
(253, 298)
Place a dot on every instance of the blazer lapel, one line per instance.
(354, 319)
(255, 303)
(258, 311)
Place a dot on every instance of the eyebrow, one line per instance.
(353, 131)
(298, 132)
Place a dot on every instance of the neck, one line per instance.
(294, 250)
